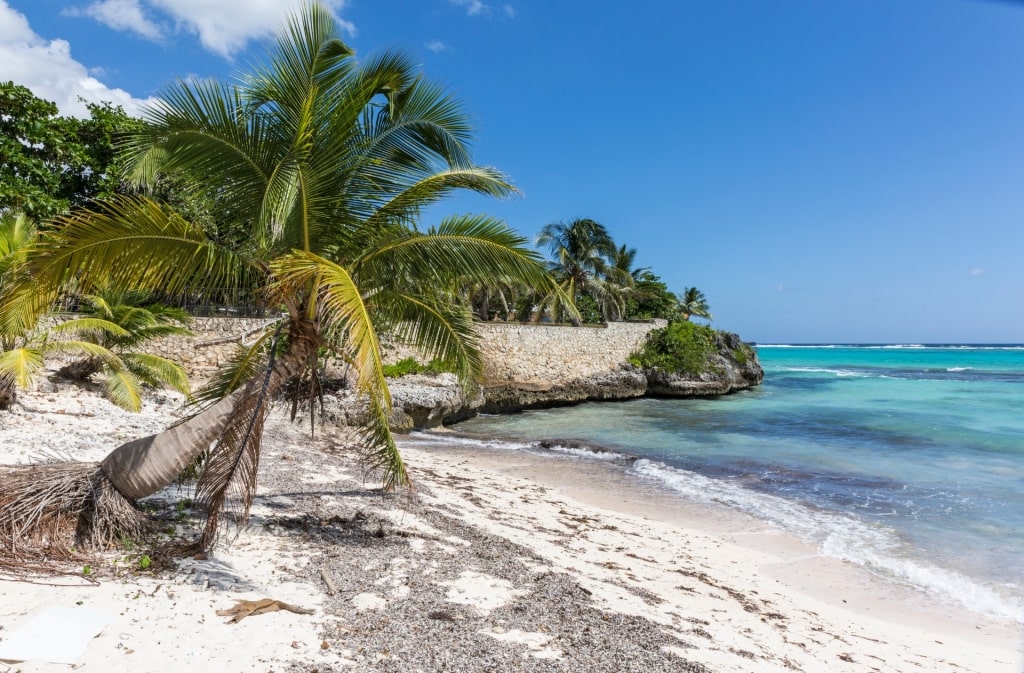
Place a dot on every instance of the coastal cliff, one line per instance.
(525, 366)
(533, 366)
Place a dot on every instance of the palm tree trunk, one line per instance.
(81, 505)
(8, 393)
(142, 467)
(81, 370)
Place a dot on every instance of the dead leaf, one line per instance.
(243, 609)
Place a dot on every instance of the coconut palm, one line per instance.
(17, 233)
(141, 322)
(579, 251)
(329, 162)
(693, 303)
(620, 279)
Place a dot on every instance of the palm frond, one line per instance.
(131, 242)
(343, 311)
(90, 325)
(439, 328)
(21, 365)
(473, 247)
(157, 371)
(124, 389)
(244, 363)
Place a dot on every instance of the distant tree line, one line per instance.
(51, 164)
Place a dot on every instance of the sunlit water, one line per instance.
(908, 460)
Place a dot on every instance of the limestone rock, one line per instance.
(733, 367)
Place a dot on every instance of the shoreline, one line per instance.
(497, 561)
(606, 485)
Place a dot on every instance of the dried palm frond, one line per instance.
(48, 510)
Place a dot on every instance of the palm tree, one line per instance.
(329, 163)
(693, 303)
(103, 336)
(17, 233)
(620, 281)
(140, 323)
(580, 250)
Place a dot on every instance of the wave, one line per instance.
(897, 346)
(874, 547)
(837, 372)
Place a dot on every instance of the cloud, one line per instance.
(509, 10)
(120, 15)
(224, 27)
(436, 46)
(977, 271)
(49, 71)
(780, 288)
(473, 7)
(227, 26)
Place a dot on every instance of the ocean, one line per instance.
(905, 459)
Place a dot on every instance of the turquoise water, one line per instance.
(908, 460)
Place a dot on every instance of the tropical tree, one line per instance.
(579, 251)
(134, 369)
(50, 163)
(17, 233)
(620, 281)
(329, 163)
(693, 303)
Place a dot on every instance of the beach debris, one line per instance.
(243, 609)
(332, 588)
(57, 635)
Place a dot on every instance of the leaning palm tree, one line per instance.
(579, 251)
(329, 162)
(693, 303)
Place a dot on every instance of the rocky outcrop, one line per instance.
(622, 384)
(416, 402)
(430, 401)
(734, 366)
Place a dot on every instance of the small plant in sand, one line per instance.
(328, 162)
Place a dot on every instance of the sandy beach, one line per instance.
(497, 561)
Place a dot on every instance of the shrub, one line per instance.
(411, 366)
(680, 347)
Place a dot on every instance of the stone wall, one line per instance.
(513, 352)
(213, 343)
(555, 354)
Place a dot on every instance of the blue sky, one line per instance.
(841, 170)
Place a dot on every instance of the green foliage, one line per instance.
(49, 163)
(650, 299)
(321, 168)
(680, 347)
(411, 366)
(120, 322)
(693, 303)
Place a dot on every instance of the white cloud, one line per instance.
(436, 46)
(227, 26)
(977, 271)
(473, 7)
(510, 11)
(49, 71)
(121, 15)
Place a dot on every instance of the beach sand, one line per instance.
(497, 561)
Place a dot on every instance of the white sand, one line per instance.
(740, 596)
